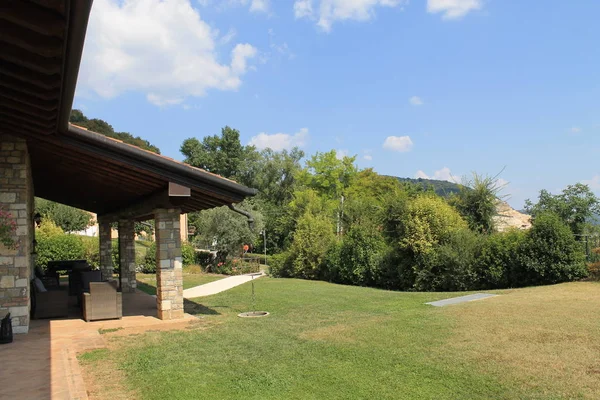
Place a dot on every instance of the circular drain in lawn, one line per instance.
(253, 314)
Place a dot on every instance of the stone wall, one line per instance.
(16, 196)
(169, 265)
(105, 250)
(127, 256)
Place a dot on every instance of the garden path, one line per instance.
(220, 286)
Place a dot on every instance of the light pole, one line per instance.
(264, 232)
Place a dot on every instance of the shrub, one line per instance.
(450, 266)
(54, 244)
(188, 253)
(549, 255)
(149, 264)
(91, 250)
(204, 258)
(280, 266)
(312, 239)
(499, 256)
(428, 221)
(360, 256)
(235, 267)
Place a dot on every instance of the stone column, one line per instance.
(16, 263)
(106, 262)
(169, 272)
(127, 256)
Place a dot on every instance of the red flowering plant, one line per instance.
(8, 228)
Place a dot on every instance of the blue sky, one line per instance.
(435, 88)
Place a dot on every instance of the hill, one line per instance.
(441, 188)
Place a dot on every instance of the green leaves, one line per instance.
(574, 206)
(69, 219)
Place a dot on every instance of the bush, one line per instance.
(188, 254)
(204, 258)
(54, 244)
(235, 267)
(549, 255)
(450, 266)
(149, 263)
(360, 256)
(428, 221)
(91, 250)
(499, 256)
(312, 239)
(280, 265)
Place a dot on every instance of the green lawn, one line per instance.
(147, 282)
(325, 341)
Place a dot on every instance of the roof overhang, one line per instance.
(41, 43)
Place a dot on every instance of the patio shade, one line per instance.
(41, 43)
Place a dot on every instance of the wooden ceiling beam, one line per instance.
(49, 82)
(41, 97)
(33, 42)
(34, 62)
(28, 109)
(42, 20)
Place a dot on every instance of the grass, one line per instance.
(147, 282)
(341, 342)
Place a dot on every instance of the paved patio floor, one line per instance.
(43, 364)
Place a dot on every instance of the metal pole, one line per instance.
(265, 243)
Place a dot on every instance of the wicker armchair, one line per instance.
(102, 302)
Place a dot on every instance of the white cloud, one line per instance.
(593, 183)
(228, 37)
(443, 174)
(280, 141)
(368, 157)
(453, 9)
(259, 5)
(303, 8)
(416, 101)
(575, 129)
(398, 143)
(160, 48)
(328, 11)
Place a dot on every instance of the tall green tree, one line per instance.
(575, 206)
(69, 219)
(222, 155)
(228, 230)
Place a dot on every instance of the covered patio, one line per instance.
(42, 154)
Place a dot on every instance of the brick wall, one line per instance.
(16, 195)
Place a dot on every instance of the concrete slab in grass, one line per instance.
(461, 299)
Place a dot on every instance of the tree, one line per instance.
(477, 201)
(222, 155)
(575, 206)
(104, 128)
(69, 219)
(328, 174)
(228, 229)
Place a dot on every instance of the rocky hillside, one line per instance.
(508, 218)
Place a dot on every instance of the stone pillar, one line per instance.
(127, 256)
(16, 263)
(106, 262)
(169, 266)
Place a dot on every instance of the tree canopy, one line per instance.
(99, 126)
(69, 219)
(575, 206)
